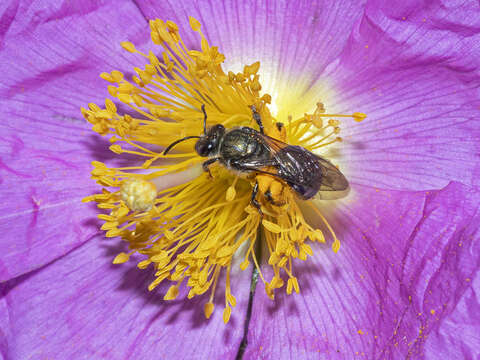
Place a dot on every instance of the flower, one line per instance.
(405, 277)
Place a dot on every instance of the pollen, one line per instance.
(188, 234)
(138, 194)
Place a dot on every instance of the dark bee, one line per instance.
(245, 149)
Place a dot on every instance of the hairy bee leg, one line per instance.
(257, 118)
(207, 163)
(268, 196)
(254, 200)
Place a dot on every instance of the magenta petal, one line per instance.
(458, 334)
(287, 37)
(405, 278)
(442, 30)
(421, 131)
(403, 273)
(50, 58)
(44, 175)
(83, 307)
(417, 80)
(53, 69)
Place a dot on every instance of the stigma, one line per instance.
(138, 194)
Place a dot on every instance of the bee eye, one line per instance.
(203, 147)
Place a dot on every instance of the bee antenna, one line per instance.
(204, 119)
(169, 147)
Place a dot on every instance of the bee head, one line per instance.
(208, 144)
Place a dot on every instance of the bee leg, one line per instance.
(253, 199)
(269, 197)
(257, 118)
(207, 163)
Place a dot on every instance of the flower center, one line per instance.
(189, 233)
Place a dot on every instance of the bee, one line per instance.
(246, 150)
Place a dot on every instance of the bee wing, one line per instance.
(334, 185)
(293, 162)
(273, 144)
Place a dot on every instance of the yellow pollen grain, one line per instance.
(190, 233)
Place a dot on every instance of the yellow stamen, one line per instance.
(208, 309)
(231, 191)
(121, 258)
(190, 232)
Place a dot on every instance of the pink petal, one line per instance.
(49, 72)
(44, 176)
(402, 269)
(420, 95)
(82, 306)
(287, 37)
